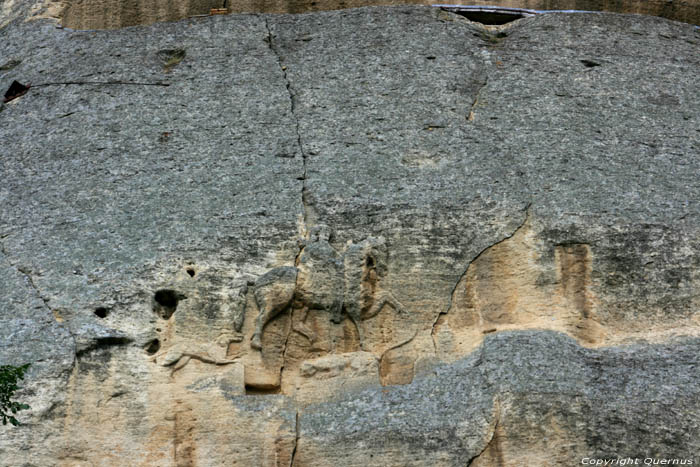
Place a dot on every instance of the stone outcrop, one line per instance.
(382, 236)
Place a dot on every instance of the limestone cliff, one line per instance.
(370, 237)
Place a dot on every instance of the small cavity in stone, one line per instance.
(15, 90)
(256, 391)
(101, 312)
(153, 347)
(490, 18)
(165, 302)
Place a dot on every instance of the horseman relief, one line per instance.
(323, 279)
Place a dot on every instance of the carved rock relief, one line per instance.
(331, 297)
(327, 281)
(332, 304)
(312, 331)
(203, 327)
(315, 309)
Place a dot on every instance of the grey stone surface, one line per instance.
(105, 181)
(517, 382)
(405, 123)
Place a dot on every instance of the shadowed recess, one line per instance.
(165, 302)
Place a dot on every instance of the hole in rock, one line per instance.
(590, 63)
(166, 301)
(101, 312)
(15, 90)
(153, 347)
(190, 271)
(490, 17)
(258, 391)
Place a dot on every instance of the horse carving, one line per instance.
(325, 280)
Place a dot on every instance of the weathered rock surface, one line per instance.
(114, 14)
(456, 244)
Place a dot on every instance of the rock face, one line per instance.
(383, 236)
(114, 14)
(110, 14)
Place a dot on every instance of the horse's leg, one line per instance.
(264, 317)
(358, 325)
(336, 311)
(301, 326)
(376, 307)
(184, 360)
(384, 299)
(391, 300)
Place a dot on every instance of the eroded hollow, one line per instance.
(490, 18)
(153, 347)
(589, 63)
(165, 302)
(103, 344)
(101, 312)
(261, 391)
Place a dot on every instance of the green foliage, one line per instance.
(9, 376)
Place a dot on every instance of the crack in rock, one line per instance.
(477, 96)
(296, 440)
(45, 301)
(26, 273)
(483, 369)
(491, 437)
(308, 214)
(461, 276)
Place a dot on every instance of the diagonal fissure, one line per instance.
(461, 276)
(27, 274)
